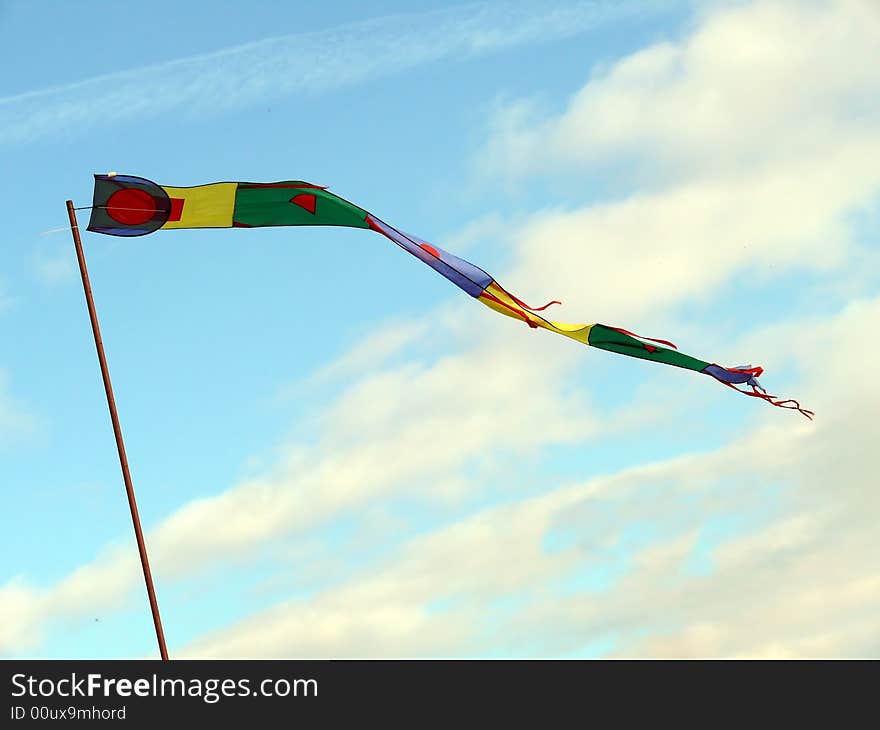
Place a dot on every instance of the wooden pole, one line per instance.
(117, 432)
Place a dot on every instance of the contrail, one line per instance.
(313, 62)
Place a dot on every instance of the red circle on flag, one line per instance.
(131, 206)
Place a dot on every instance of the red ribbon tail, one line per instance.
(789, 403)
(639, 337)
(532, 309)
(518, 312)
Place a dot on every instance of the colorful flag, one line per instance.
(124, 205)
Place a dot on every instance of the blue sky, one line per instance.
(335, 452)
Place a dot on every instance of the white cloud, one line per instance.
(802, 580)
(747, 147)
(404, 428)
(622, 262)
(20, 625)
(410, 429)
(802, 583)
(301, 63)
(366, 354)
(756, 85)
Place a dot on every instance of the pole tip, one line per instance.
(111, 174)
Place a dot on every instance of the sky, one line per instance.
(338, 454)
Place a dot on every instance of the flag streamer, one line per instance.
(126, 205)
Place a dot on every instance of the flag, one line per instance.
(124, 205)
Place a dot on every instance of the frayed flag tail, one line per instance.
(743, 378)
(747, 376)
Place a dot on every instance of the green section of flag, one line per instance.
(606, 338)
(270, 205)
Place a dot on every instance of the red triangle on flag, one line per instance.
(306, 201)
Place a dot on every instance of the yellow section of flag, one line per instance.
(498, 299)
(204, 206)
